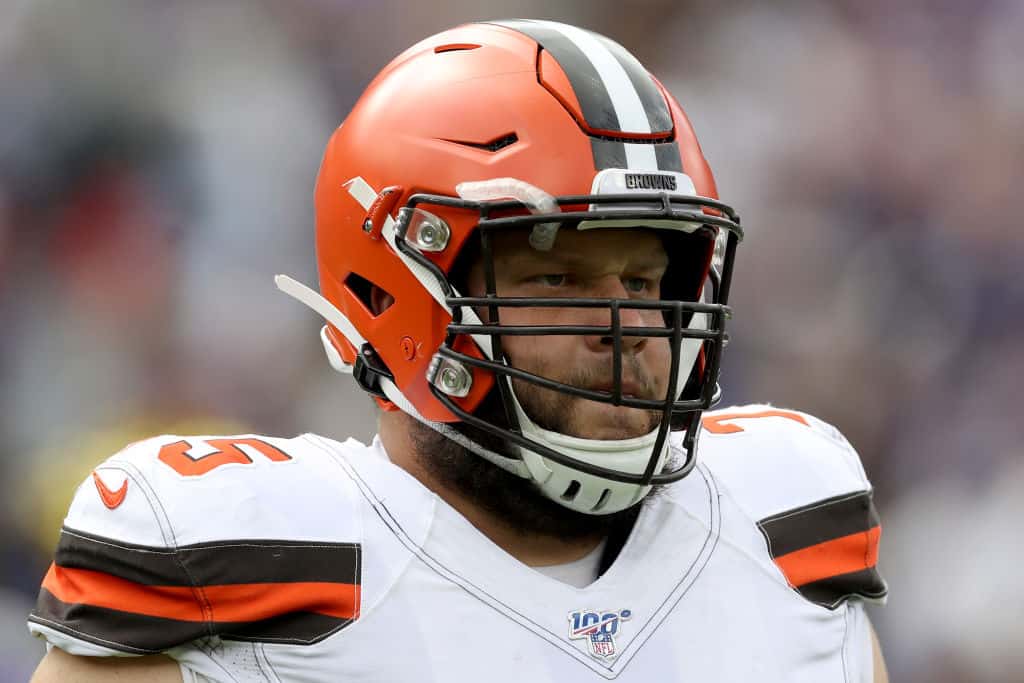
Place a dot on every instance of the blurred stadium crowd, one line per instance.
(157, 161)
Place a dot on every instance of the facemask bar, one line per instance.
(640, 209)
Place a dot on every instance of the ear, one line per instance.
(380, 300)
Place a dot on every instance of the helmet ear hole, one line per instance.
(374, 298)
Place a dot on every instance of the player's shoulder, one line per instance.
(801, 482)
(776, 456)
(181, 537)
(173, 490)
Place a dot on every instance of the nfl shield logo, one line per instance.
(598, 628)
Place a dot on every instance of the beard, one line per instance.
(515, 500)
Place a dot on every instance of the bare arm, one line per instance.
(60, 667)
(881, 674)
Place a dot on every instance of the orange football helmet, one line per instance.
(516, 124)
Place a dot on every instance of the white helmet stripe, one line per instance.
(629, 108)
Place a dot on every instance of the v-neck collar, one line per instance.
(672, 540)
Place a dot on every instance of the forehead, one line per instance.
(592, 246)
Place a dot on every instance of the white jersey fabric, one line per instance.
(253, 558)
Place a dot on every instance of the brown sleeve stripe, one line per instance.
(273, 591)
(833, 590)
(819, 522)
(828, 550)
(222, 562)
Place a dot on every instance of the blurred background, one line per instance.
(157, 161)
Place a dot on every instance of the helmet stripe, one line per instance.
(629, 108)
(658, 116)
(608, 154)
(586, 82)
(615, 92)
(668, 156)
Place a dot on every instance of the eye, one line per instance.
(552, 279)
(636, 285)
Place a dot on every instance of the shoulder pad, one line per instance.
(177, 538)
(802, 483)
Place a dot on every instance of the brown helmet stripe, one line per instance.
(610, 83)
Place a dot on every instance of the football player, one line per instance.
(523, 260)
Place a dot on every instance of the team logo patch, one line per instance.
(599, 629)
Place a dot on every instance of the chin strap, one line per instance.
(578, 490)
(335, 317)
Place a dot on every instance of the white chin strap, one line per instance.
(585, 492)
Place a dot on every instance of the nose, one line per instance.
(612, 288)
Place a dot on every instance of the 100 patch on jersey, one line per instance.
(599, 629)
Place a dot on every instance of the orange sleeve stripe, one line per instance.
(244, 602)
(839, 556)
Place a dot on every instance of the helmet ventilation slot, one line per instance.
(605, 495)
(455, 47)
(571, 490)
(495, 145)
(363, 290)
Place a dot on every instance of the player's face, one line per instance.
(604, 263)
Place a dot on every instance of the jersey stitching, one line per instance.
(202, 599)
(102, 540)
(259, 664)
(277, 545)
(171, 551)
(316, 441)
(270, 665)
(207, 649)
(284, 639)
(853, 594)
(714, 530)
(149, 494)
(162, 520)
(842, 649)
(358, 555)
(606, 671)
(770, 568)
(197, 591)
(88, 637)
(403, 537)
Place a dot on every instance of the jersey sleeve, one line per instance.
(177, 539)
(803, 485)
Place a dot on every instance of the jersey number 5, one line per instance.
(176, 455)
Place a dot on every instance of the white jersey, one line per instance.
(251, 558)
